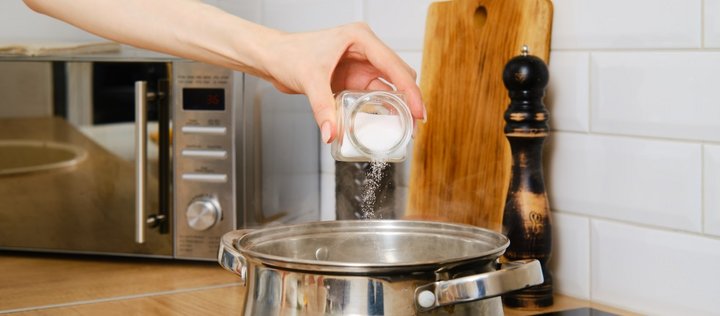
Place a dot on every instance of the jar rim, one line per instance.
(403, 111)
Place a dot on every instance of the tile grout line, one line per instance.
(640, 225)
(639, 49)
(118, 298)
(642, 137)
(702, 24)
(590, 261)
(702, 189)
(589, 96)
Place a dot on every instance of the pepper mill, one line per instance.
(526, 218)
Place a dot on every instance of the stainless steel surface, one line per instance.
(21, 156)
(511, 276)
(236, 155)
(84, 208)
(371, 268)
(208, 130)
(140, 159)
(203, 213)
(205, 189)
(372, 246)
(230, 258)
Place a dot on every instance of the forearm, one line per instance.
(185, 28)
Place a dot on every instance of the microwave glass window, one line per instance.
(204, 99)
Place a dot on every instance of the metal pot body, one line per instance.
(272, 291)
(395, 278)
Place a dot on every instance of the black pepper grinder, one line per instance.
(526, 219)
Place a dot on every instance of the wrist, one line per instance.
(262, 49)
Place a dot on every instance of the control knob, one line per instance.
(203, 213)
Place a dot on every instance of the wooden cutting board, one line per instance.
(460, 168)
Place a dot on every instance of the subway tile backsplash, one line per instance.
(712, 23)
(310, 15)
(568, 93)
(570, 259)
(711, 186)
(654, 272)
(400, 23)
(661, 94)
(622, 24)
(650, 182)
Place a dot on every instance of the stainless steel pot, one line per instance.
(373, 267)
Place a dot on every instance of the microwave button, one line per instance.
(204, 130)
(207, 154)
(205, 177)
(203, 213)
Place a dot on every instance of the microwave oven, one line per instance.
(139, 154)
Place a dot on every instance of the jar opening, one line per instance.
(380, 124)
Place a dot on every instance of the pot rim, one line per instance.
(245, 245)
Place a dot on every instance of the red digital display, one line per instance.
(203, 99)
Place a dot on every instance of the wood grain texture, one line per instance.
(461, 161)
(220, 301)
(89, 285)
(37, 280)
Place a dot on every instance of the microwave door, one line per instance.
(68, 180)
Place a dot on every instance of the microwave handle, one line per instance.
(140, 159)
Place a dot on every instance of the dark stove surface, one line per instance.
(585, 311)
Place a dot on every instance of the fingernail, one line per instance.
(325, 132)
(424, 120)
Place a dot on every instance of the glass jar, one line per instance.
(372, 126)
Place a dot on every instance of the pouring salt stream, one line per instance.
(373, 267)
(374, 126)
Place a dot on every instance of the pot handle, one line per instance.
(510, 277)
(229, 257)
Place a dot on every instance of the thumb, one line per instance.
(323, 106)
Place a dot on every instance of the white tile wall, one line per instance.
(612, 24)
(249, 10)
(571, 255)
(18, 23)
(568, 93)
(711, 193)
(655, 272)
(310, 15)
(290, 151)
(644, 181)
(400, 23)
(712, 23)
(664, 94)
(327, 197)
(414, 60)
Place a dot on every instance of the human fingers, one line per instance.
(379, 84)
(323, 106)
(389, 63)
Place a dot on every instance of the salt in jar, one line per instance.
(372, 126)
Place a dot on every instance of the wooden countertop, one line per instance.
(51, 284)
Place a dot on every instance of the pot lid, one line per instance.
(371, 246)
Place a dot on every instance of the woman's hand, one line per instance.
(321, 63)
(314, 63)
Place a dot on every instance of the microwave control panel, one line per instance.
(204, 157)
